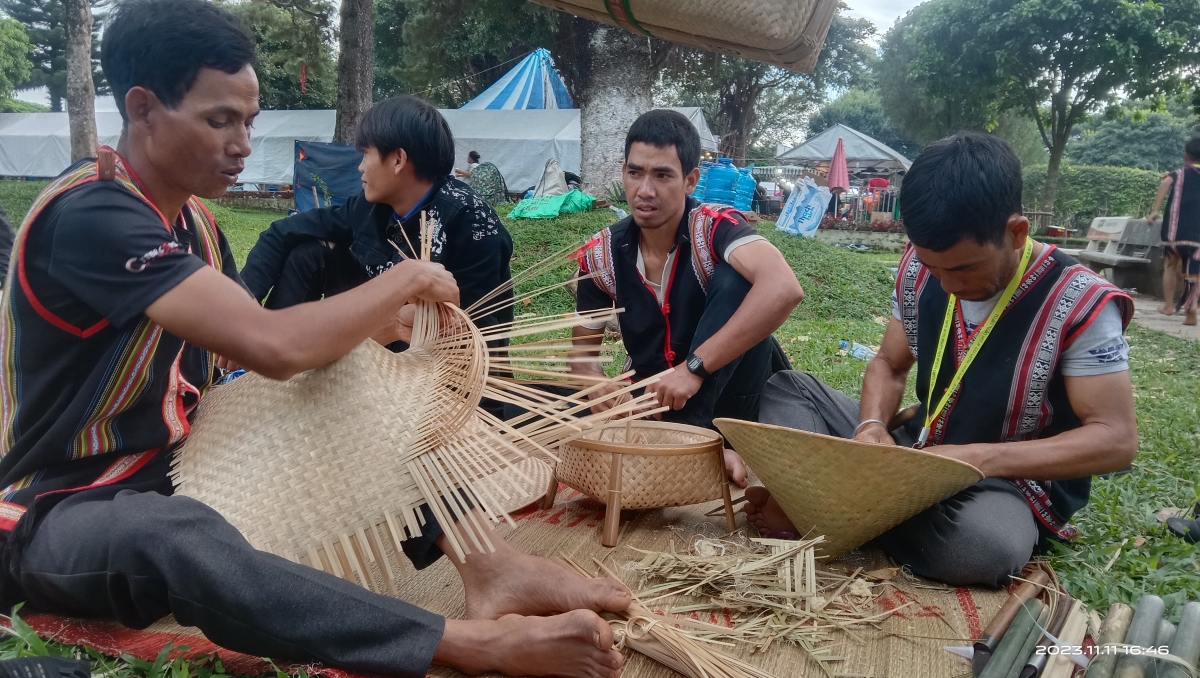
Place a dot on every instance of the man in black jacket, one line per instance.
(408, 153)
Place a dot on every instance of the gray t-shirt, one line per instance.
(1099, 349)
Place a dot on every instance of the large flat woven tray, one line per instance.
(786, 33)
(848, 491)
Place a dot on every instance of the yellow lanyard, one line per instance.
(981, 336)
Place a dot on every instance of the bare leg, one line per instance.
(509, 582)
(576, 644)
(765, 513)
(1171, 271)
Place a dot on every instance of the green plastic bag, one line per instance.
(548, 207)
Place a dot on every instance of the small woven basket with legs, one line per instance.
(645, 465)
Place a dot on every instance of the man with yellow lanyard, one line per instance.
(1022, 371)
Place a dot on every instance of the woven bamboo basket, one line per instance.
(786, 33)
(847, 491)
(644, 465)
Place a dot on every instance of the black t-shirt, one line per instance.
(91, 389)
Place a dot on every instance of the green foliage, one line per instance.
(390, 17)
(451, 50)
(1137, 138)
(749, 103)
(21, 106)
(47, 35)
(15, 66)
(285, 38)
(1086, 191)
(862, 110)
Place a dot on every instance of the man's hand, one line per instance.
(227, 364)
(675, 387)
(1152, 217)
(600, 400)
(399, 328)
(431, 282)
(875, 434)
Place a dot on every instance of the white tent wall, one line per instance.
(519, 142)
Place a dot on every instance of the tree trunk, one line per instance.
(81, 91)
(356, 65)
(738, 107)
(1051, 186)
(614, 89)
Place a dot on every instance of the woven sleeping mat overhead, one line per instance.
(848, 491)
(785, 33)
(332, 467)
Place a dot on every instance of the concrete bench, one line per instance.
(1132, 252)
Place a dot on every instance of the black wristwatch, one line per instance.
(695, 365)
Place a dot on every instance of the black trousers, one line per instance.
(734, 390)
(136, 557)
(313, 270)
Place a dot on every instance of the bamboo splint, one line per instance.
(336, 467)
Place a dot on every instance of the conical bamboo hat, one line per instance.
(847, 491)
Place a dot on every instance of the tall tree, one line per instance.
(1137, 137)
(81, 90)
(1055, 61)
(730, 88)
(356, 66)
(15, 66)
(45, 23)
(296, 68)
(609, 71)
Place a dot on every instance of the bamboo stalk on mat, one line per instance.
(1185, 646)
(996, 628)
(1112, 632)
(1061, 665)
(1008, 652)
(1141, 633)
(1036, 663)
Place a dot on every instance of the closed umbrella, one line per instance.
(839, 177)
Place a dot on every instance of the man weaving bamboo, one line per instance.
(701, 289)
(1021, 371)
(126, 291)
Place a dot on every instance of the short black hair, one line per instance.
(1192, 148)
(473, 156)
(162, 45)
(662, 128)
(964, 186)
(411, 123)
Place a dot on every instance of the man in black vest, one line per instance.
(1181, 233)
(1045, 403)
(702, 291)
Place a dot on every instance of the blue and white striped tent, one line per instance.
(533, 83)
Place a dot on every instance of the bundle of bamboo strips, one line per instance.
(772, 592)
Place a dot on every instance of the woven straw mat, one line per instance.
(850, 492)
(647, 480)
(786, 33)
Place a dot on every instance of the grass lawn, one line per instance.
(1123, 551)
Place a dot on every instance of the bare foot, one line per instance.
(511, 582)
(1190, 318)
(735, 468)
(576, 644)
(1166, 309)
(764, 513)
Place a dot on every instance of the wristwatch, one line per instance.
(695, 365)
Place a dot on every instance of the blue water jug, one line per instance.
(721, 180)
(702, 184)
(744, 189)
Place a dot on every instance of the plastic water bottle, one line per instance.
(721, 180)
(702, 185)
(744, 189)
(857, 350)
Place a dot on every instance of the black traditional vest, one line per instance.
(1014, 389)
(1181, 217)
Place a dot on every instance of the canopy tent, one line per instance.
(39, 144)
(863, 153)
(533, 83)
(519, 142)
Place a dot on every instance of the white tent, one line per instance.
(863, 153)
(519, 142)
